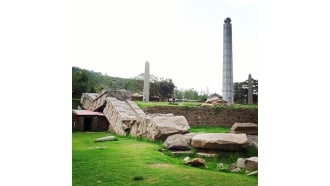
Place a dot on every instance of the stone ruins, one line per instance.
(126, 118)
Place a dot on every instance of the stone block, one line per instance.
(220, 141)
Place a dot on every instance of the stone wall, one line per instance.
(209, 116)
(98, 123)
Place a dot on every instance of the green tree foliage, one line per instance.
(241, 91)
(166, 89)
(163, 89)
(79, 82)
(89, 81)
(190, 94)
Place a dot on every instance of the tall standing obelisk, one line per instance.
(250, 93)
(227, 78)
(146, 83)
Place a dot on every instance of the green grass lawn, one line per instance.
(130, 161)
(209, 129)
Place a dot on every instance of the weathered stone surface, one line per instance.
(240, 162)
(220, 141)
(252, 138)
(253, 141)
(87, 100)
(107, 138)
(247, 128)
(208, 115)
(236, 170)
(196, 162)
(251, 164)
(121, 115)
(189, 136)
(254, 145)
(233, 166)
(100, 100)
(159, 126)
(187, 158)
(177, 142)
(215, 101)
(253, 173)
(97, 101)
(207, 154)
(220, 166)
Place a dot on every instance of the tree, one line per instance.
(166, 89)
(241, 91)
(79, 82)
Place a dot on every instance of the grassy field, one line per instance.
(130, 161)
(210, 129)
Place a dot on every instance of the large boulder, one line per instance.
(159, 126)
(189, 136)
(251, 164)
(177, 142)
(247, 128)
(241, 162)
(220, 141)
(87, 100)
(216, 101)
(253, 141)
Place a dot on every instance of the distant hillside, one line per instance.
(89, 81)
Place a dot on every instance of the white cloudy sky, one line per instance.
(181, 39)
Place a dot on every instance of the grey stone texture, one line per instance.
(236, 170)
(251, 164)
(227, 79)
(146, 82)
(159, 126)
(177, 142)
(196, 162)
(240, 162)
(247, 128)
(87, 100)
(106, 138)
(220, 141)
(95, 101)
(125, 117)
(220, 166)
(121, 115)
(209, 116)
(253, 173)
(189, 136)
(250, 95)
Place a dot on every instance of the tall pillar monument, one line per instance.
(227, 76)
(250, 92)
(146, 83)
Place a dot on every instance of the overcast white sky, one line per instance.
(181, 39)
